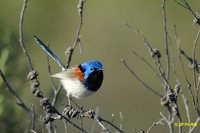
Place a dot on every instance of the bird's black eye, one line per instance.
(91, 69)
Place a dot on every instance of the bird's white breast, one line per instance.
(75, 88)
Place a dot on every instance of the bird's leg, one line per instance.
(69, 100)
(76, 104)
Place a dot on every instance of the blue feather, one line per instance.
(89, 67)
(49, 52)
(93, 74)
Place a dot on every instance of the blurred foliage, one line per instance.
(10, 113)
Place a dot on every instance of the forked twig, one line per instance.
(70, 50)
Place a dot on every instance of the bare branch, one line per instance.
(91, 114)
(11, 90)
(181, 4)
(70, 50)
(56, 91)
(148, 64)
(186, 5)
(140, 80)
(121, 118)
(194, 127)
(166, 39)
(32, 118)
(159, 122)
(185, 101)
(194, 59)
(171, 127)
(155, 54)
(21, 35)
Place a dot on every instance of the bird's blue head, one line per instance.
(93, 74)
(90, 66)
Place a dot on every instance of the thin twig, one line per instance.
(181, 4)
(197, 96)
(112, 120)
(65, 125)
(121, 118)
(11, 90)
(176, 105)
(81, 123)
(140, 80)
(110, 123)
(183, 69)
(32, 117)
(21, 35)
(97, 110)
(185, 101)
(73, 124)
(159, 122)
(33, 131)
(152, 52)
(188, 7)
(166, 39)
(179, 55)
(194, 127)
(56, 91)
(194, 58)
(171, 127)
(178, 114)
(56, 94)
(148, 64)
(70, 50)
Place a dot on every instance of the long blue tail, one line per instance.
(49, 52)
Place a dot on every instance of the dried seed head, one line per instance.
(155, 53)
(32, 75)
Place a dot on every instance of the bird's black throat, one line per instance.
(94, 81)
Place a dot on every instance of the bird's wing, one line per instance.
(71, 73)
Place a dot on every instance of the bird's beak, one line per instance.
(100, 69)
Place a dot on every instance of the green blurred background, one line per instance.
(105, 37)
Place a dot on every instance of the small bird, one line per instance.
(79, 81)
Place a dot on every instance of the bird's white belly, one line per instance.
(75, 88)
